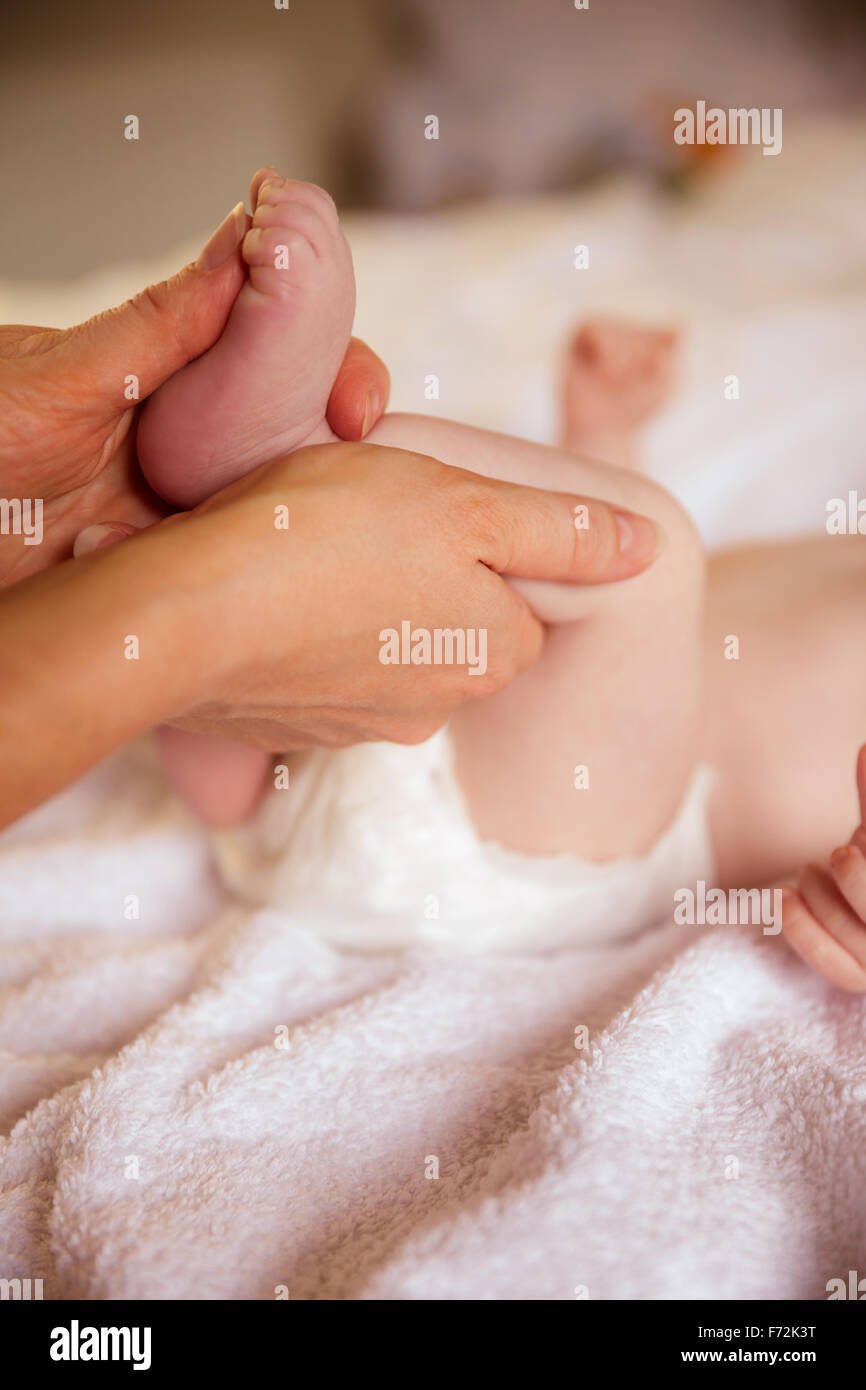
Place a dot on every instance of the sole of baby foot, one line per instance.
(262, 390)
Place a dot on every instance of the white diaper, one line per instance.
(373, 846)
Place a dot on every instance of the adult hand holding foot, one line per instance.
(226, 623)
(68, 400)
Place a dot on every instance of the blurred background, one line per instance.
(531, 95)
(555, 130)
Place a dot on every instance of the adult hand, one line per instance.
(67, 407)
(378, 537)
(225, 622)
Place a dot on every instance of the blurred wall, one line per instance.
(531, 94)
(219, 86)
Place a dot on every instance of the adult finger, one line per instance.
(360, 393)
(155, 334)
(531, 534)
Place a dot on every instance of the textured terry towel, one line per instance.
(198, 1100)
(220, 1111)
(710, 1141)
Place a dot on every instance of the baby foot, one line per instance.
(263, 388)
(260, 391)
(615, 376)
(824, 918)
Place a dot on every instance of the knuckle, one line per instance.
(483, 684)
(481, 512)
(481, 687)
(152, 299)
(414, 731)
(157, 303)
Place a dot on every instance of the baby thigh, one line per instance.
(785, 637)
(592, 750)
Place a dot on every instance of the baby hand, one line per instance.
(824, 918)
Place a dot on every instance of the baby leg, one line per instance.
(615, 376)
(784, 627)
(617, 690)
(261, 391)
(785, 645)
(608, 689)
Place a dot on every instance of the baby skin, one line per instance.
(620, 684)
(824, 917)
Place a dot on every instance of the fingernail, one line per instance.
(839, 856)
(225, 239)
(372, 411)
(640, 540)
(98, 537)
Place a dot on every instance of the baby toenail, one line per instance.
(252, 241)
(839, 856)
(270, 186)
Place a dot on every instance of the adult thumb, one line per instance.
(127, 352)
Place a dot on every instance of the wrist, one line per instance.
(92, 657)
(178, 589)
(218, 619)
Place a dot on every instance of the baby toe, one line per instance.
(293, 217)
(279, 259)
(661, 342)
(261, 176)
(276, 190)
(653, 354)
(319, 199)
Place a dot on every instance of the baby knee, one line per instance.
(674, 579)
(681, 558)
